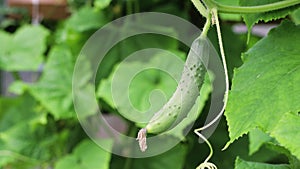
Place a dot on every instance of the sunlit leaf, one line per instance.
(23, 51)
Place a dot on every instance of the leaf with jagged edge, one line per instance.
(266, 86)
(252, 19)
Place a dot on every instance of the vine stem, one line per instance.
(197, 131)
(250, 9)
(200, 7)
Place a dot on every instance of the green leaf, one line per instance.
(17, 87)
(87, 155)
(251, 19)
(266, 86)
(173, 158)
(257, 138)
(23, 136)
(22, 52)
(241, 164)
(287, 133)
(101, 4)
(296, 16)
(54, 89)
(85, 19)
(275, 147)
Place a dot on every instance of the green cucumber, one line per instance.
(187, 91)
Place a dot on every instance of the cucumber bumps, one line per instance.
(187, 91)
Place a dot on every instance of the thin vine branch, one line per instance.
(200, 7)
(250, 9)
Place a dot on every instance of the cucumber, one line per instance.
(185, 95)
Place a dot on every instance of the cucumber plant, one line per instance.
(173, 112)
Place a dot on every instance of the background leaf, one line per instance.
(87, 155)
(22, 52)
(54, 89)
(86, 18)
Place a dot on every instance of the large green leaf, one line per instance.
(266, 86)
(87, 155)
(241, 164)
(251, 19)
(23, 51)
(54, 90)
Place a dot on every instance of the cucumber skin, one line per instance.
(187, 91)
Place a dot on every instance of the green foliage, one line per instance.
(241, 164)
(101, 4)
(296, 16)
(257, 138)
(173, 158)
(87, 155)
(54, 89)
(17, 51)
(275, 65)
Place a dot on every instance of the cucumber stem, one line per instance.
(206, 26)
